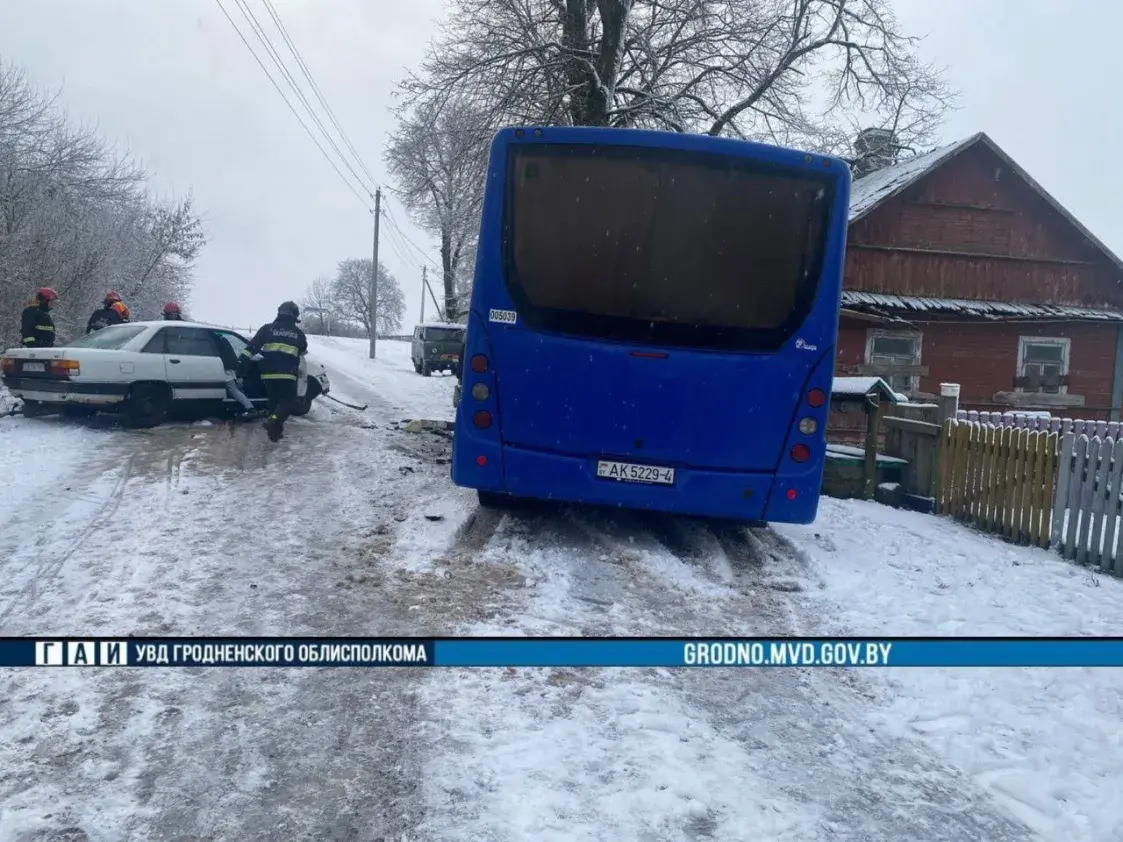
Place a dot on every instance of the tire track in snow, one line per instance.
(794, 739)
(230, 754)
(40, 576)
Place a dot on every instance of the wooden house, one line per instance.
(961, 268)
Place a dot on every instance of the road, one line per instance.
(350, 527)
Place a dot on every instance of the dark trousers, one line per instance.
(281, 394)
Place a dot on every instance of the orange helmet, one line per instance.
(112, 297)
(121, 310)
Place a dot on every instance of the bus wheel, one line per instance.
(496, 500)
(499, 501)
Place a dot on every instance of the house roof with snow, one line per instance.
(871, 191)
(996, 310)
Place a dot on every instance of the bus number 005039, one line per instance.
(628, 472)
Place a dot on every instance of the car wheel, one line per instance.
(303, 405)
(426, 371)
(147, 405)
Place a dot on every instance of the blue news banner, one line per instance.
(560, 652)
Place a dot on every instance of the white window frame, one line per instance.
(1063, 341)
(873, 334)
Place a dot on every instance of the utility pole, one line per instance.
(373, 292)
(424, 286)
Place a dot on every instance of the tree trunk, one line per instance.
(592, 73)
(578, 70)
(448, 269)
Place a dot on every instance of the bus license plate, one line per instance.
(34, 367)
(627, 472)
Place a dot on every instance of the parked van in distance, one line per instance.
(437, 346)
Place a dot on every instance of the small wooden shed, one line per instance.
(867, 396)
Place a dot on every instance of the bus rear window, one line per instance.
(663, 246)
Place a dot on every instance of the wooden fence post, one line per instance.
(949, 401)
(873, 406)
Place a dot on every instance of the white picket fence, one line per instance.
(984, 479)
(1042, 421)
(1087, 505)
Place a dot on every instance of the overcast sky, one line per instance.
(173, 82)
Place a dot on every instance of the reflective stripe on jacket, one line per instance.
(280, 344)
(37, 328)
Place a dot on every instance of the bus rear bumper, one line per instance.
(730, 495)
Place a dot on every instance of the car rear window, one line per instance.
(663, 246)
(110, 338)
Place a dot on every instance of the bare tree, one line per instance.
(319, 299)
(794, 72)
(74, 215)
(438, 157)
(350, 296)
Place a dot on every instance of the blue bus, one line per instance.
(653, 324)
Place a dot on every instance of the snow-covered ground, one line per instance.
(350, 526)
(1045, 743)
(403, 389)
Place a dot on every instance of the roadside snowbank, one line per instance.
(1046, 743)
(390, 376)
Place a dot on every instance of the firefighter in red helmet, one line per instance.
(172, 312)
(37, 328)
(111, 312)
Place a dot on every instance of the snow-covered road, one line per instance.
(350, 526)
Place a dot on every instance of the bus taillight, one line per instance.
(482, 419)
(479, 363)
(801, 453)
(816, 398)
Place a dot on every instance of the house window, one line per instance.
(894, 356)
(1043, 365)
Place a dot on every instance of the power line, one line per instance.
(296, 114)
(316, 88)
(259, 31)
(398, 247)
(420, 251)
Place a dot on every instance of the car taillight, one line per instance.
(816, 398)
(480, 392)
(7, 364)
(482, 419)
(808, 426)
(801, 453)
(479, 363)
(65, 368)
